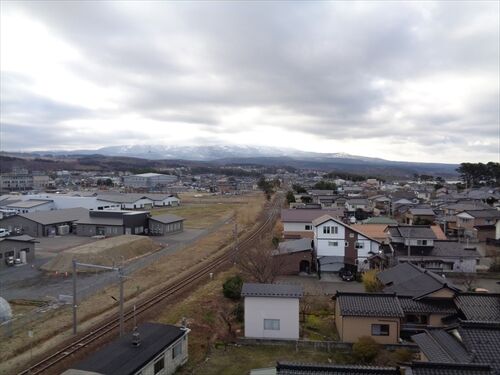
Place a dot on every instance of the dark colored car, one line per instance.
(347, 275)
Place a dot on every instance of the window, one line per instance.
(346, 244)
(360, 245)
(422, 242)
(332, 230)
(308, 227)
(351, 235)
(159, 365)
(380, 329)
(177, 350)
(326, 230)
(272, 324)
(333, 243)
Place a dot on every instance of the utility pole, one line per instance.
(235, 244)
(74, 297)
(121, 277)
(122, 280)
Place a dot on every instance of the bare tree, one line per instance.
(259, 263)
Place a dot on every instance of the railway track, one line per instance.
(111, 324)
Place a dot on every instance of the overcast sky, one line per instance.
(414, 81)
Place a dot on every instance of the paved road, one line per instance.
(27, 282)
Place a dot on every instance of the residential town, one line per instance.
(396, 267)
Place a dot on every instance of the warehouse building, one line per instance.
(148, 180)
(44, 223)
(20, 248)
(112, 223)
(165, 224)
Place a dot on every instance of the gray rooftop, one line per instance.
(412, 231)
(23, 238)
(294, 246)
(479, 306)
(272, 290)
(56, 216)
(287, 368)
(29, 203)
(304, 215)
(432, 368)
(422, 211)
(166, 218)
(439, 346)
(369, 304)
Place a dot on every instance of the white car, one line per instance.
(4, 232)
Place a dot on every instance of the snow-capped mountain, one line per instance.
(211, 152)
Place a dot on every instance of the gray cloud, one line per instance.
(317, 63)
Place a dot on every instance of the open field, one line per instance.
(56, 328)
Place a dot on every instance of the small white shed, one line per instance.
(272, 310)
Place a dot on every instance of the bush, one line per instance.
(402, 356)
(371, 282)
(232, 287)
(366, 349)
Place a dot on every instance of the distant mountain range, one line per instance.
(267, 156)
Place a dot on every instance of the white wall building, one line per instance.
(148, 180)
(272, 310)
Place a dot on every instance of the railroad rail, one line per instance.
(112, 324)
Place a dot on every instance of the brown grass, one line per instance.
(57, 326)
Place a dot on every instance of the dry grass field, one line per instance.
(56, 326)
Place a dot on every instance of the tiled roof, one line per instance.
(284, 368)
(412, 231)
(453, 249)
(369, 304)
(479, 306)
(490, 214)
(271, 290)
(431, 368)
(483, 338)
(422, 211)
(406, 279)
(429, 305)
(439, 346)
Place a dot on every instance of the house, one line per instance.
(112, 223)
(351, 205)
(152, 348)
(271, 310)
(44, 223)
(297, 222)
(295, 256)
(337, 245)
(17, 247)
(376, 231)
(468, 220)
(407, 279)
(165, 224)
(416, 216)
(419, 244)
(468, 343)
(128, 201)
(376, 315)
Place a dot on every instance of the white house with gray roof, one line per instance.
(272, 310)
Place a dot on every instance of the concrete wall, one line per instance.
(259, 308)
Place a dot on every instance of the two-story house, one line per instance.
(337, 245)
(468, 221)
(297, 222)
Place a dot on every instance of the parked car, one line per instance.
(347, 275)
(4, 232)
